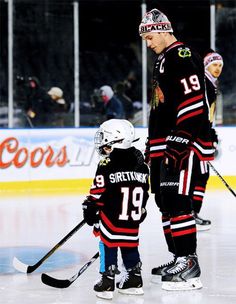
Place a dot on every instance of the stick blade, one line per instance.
(53, 282)
(20, 266)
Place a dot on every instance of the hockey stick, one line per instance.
(22, 267)
(57, 283)
(222, 179)
(29, 121)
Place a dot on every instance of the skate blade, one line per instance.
(203, 227)
(191, 284)
(156, 279)
(108, 295)
(132, 291)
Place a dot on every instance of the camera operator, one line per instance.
(34, 101)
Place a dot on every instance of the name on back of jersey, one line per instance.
(128, 176)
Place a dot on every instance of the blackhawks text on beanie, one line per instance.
(154, 21)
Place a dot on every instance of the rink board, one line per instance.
(82, 186)
(64, 160)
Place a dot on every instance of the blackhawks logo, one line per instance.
(184, 52)
(104, 161)
(157, 96)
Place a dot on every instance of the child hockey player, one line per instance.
(116, 206)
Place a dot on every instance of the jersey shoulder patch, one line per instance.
(184, 52)
(104, 162)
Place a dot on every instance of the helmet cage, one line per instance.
(114, 133)
(101, 141)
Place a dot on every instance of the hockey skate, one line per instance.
(131, 283)
(159, 271)
(105, 286)
(184, 275)
(202, 225)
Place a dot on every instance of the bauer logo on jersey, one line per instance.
(184, 52)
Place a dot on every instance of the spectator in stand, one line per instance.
(112, 105)
(126, 101)
(131, 87)
(96, 103)
(59, 106)
(39, 104)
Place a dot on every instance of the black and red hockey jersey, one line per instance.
(120, 188)
(211, 91)
(178, 101)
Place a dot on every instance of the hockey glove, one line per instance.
(177, 152)
(214, 137)
(90, 212)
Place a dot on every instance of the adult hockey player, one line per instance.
(213, 63)
(116, 205)
(179, 138)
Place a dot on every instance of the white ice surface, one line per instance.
(43, 221)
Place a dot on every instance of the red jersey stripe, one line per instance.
(118, 244)
(181, 218)
(167, 231)
(197, 198)
(184, 232)
(199, 188)
(159, 140)
(185, 182)
(96, 191)
(202, 156)
(204, 143)
(156, 154)
(188, 101)
(117, 229)
(184, 117)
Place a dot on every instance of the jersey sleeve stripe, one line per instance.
(205, 150)
(157, 147)
(199, 188)
(158, 140)
(157, 154)
(190, 100)
(204, 143)
(197, 198)
(96, 191)
(198, 193)
(190, 108)
(187, 116)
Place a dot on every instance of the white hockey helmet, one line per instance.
(114, 133)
